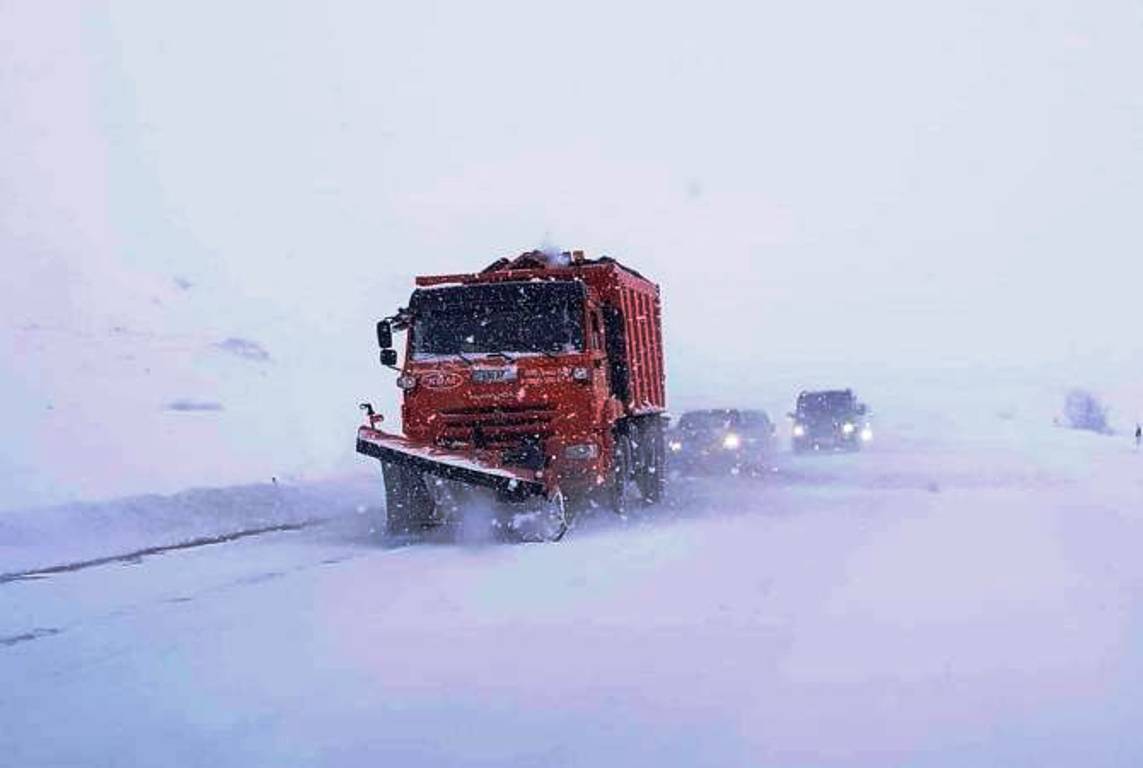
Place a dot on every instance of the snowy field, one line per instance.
(946, 598)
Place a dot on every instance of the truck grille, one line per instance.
(498, 427)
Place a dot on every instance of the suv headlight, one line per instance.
(675, 446)
(799, 430)
(847, 428)
(731, 441)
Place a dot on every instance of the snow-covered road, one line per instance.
(922, 603)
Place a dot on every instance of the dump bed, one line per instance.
(637, 302)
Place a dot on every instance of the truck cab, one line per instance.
(511, 369)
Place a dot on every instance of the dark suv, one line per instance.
(831, 419)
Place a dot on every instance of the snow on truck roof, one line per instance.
(538, 266)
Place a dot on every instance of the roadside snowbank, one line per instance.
(52, 536)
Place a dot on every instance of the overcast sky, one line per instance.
(811, 183)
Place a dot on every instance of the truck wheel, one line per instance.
(408, 504)
(620, 471)
(541, 518)
(653, 467)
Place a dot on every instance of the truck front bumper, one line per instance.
(461, 466)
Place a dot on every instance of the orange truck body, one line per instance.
(537, 423)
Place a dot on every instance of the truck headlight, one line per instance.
(406, 382)
(847, 428)
(675, 446)
(866, 434)
(581, 451)
(799, 430)
(731, 441)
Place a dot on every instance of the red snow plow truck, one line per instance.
(539, 377)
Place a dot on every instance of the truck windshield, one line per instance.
(535, 317)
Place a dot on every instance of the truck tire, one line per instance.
(652, 469)
(620, 471)
(539, 519)
(408, 503)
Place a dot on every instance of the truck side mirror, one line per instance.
(389, 357)
(862, 409)
(384, 334)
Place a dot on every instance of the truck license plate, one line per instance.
(492, 375)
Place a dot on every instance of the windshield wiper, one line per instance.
(498, 353)
(465, 359)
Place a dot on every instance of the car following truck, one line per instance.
(721, 440)
(829, 419)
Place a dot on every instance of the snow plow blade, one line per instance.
(450, 465)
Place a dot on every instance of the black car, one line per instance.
(721, 439)
(830, 419)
